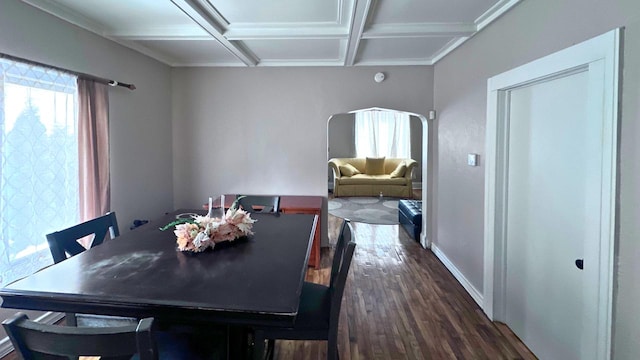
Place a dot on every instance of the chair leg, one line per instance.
(332, 348)
(258, 345)
(271, 349)
(70, 319)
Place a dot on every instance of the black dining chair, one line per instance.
(64, 244)
(34, 340)
(140, 340)
(259, 203)
(319, 309)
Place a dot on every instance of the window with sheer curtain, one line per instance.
(38, 164)
(381, 133)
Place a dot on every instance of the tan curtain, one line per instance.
(93, 149)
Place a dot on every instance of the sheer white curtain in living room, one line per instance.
(380, 133)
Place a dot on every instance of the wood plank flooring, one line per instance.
(400, 302)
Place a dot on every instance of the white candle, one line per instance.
(210, 205)
(222, 203)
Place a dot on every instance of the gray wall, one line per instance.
(264, 130)
(341, 133)
(416, 146)
(140, 128)
(272, 123)
(531, 30)
(140, 120)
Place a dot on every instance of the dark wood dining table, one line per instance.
(255, 281)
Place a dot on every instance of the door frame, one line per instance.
(599, 56)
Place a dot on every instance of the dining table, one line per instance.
(252, 281)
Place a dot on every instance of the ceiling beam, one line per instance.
(359, 18)
(191, 31)
(214, 24)
(302, 32)
(418, 30)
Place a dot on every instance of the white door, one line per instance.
(550, 200)
(550, 204)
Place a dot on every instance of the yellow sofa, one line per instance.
(363, 184)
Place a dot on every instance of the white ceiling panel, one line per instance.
(193, 52)
(401, 50)
(127, 17)
(279, 11)
(430, 11)
(283, 32)
(305, 49)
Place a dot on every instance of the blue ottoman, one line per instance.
(410, 216)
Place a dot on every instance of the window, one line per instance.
(38, 164)
(381, 133)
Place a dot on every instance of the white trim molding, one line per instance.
(466, 284)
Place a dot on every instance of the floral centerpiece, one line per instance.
(199, 233)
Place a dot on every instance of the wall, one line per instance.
(264, 130)
(140, 123)
(140, 120)
(341, 134)
(529, 31)
(416, 146)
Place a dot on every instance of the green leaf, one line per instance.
(177, 222)
(234, 205)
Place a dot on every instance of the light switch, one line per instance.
(472, 159)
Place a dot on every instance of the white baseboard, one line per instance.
(475, 294)
(47, 318)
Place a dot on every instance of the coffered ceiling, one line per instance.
(283, 32)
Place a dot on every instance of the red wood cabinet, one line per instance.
(306, 205)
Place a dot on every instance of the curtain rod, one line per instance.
(78, 74)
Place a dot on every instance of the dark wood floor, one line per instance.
(400, 302)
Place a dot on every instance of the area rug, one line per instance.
(371, 210)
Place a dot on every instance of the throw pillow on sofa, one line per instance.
(374, 166)
(348, 170)
(400, 170)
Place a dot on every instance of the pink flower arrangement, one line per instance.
(204, 232)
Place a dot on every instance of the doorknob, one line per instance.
(580, 263)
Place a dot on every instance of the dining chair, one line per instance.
(64, 244)
(142, 340)
(259, 203)
(34, 340)
(319, 309)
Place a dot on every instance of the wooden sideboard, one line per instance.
(306, 205)
(294, 204)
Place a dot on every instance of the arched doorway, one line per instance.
(340, 140)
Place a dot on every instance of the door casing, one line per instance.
(600, 56)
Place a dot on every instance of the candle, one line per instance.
(210, 205)
(222, 203)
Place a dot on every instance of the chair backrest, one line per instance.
(65, 241)
(33, 340)
(337, 286)
(345, 232)
(259, 203)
